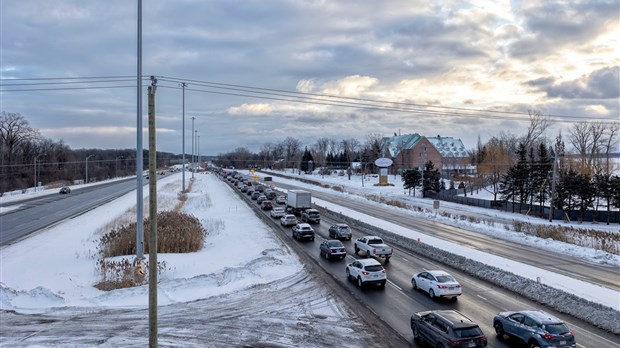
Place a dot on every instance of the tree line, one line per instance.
(25, 154)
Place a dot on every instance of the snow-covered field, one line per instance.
(240, 268)
(243, 277)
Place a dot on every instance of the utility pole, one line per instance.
(553, 183)
(183, 85)
(36, 158)
(198, 150)
(153, 217)
(139, 159)
(87, 168)
(193, 118)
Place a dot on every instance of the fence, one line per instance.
(527, 209)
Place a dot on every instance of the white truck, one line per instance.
(373, 246)
(297, 201)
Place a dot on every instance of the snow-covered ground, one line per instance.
(52, 274)
(238, 263)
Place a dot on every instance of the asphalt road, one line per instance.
(395, 304)
(603, 275)
(37, 213)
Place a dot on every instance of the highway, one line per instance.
(398, 301)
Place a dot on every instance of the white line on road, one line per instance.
(482, 297)
(395, 286)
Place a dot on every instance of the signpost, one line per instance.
(383, 163)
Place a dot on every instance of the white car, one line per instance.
(366, 271)
(288, 220)
(281, 199)
(437, 284)
(277, 212)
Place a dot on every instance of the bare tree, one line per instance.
(14, 132)
(320, 150)
(292, 150)
(536, 130)
(589, 141)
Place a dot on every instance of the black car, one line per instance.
(64, 190)
(333, 249)
(447, 328)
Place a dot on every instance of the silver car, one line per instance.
(288, 220)
(340, 231)
(536, 328)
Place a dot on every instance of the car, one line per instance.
(266, 205)
(281, 199)
(64, 190)
(288, 220)
(366, 271)
(255, 195)
(447, 328)
(535, 328)
(437, 284)
(249, 191)
(244, 188)
(311, 216)
(277, 212)
(333, 249)
(303, 231)
(338, 231)
(261, 199)
(271, 194)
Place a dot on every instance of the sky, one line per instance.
(464, 69)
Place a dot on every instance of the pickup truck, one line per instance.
(373, 246)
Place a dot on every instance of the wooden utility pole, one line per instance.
(153, 217)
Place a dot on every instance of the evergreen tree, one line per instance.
(307, 161)
(411, 179)
(514, 184)
(603, 184)
(615, 191)
(542, 172)
(430, 178)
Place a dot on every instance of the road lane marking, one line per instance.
(482, 297)
(395, 286)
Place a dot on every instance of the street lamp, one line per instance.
(87, 167)
(198, 151)
(36, 158)
(183, 136)
(116, 161)
(192, 160)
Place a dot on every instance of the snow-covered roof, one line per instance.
(448, 146)
(398, 143)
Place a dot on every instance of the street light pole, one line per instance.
(117, 158)
(183, 85)
(36, 158)
(193, 118)
(87, 167)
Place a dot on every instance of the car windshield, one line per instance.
(374, 268)
(445, 278)
(335, 244)
(468, 332)
(313, 213)
(556, 329)
(343, 228)
(375, 241)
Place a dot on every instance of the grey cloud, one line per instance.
(600, 84)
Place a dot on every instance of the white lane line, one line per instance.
(405, 259)
(482, 297)
(395, 286)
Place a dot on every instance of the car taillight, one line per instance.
(442, 286)
(547, 336)
(365, 273)
(329, 251)
(374, 251)
(570, 333)
(457, 286)
(383, 270)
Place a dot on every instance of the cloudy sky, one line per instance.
(454, 68)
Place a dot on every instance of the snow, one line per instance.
(241, 257)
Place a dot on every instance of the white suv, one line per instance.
(288, 220)
(367, 271)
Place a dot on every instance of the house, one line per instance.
(414, 150)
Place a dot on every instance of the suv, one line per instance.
(536, 328)
(340, 231)
(311, 216)
(288, 220)
(366, 271)
(447, 328)
(303, 230)
(271, 194)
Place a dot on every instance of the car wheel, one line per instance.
(431, 293)
(382, 285)
(348, 274)
(359, 282)
(342, 257)
(413, 283)
(387, 259)
(356, 250)
(312, 239)
(440, 345)
(533, 344)
(349, 238)
(416, 333)
(321, 253)
(499, 328)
